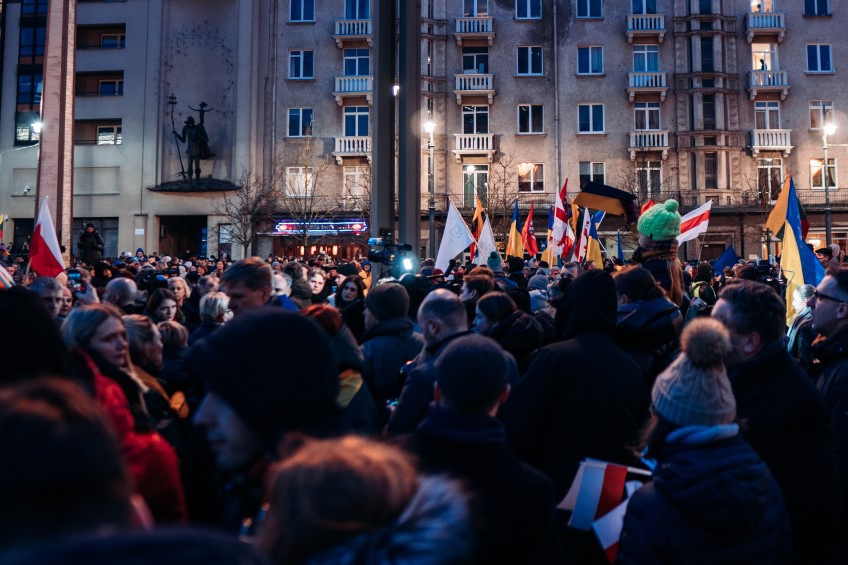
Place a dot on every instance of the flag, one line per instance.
(583, 237)
(528, 234)
(726, 259)
(562, 232)
(548, 254)
(593, 245)
(6, 280)
(477, 226)
(608, 530)
(485, 243)
(695, 223)
(798, 262)
(455, 240)
(774, 223)
(514, 246)
(45, 255)
(609, 199)
(2, 221)
(620, 249)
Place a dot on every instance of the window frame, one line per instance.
(357, 6)
(356, 60)
(531, 111)
(304, 128)
(590, 49)
(116, 134)
(815, 4)
(357, 112)
(117, 82)
(647, 109)
(591, 109)
(767, 108)
(303, 4)
(299, 56)
(529, 49)
(585, 9)
(478, 57)
(475, 111)
(535, 183)
(819, 48)
(592, 175)
(528, 9)
(711, 177)
(832, 173)
(823, 109)
(648, 53)
(648, 167)
(644, 9)
(304, 178)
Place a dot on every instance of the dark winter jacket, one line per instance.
(353, 315)
(90, 246)
(800, 339)
(713, 502)
(520, 334)
(649, 335)
(301, 293)
(387, 347)
(360, 411)
(513, 504)
(786, 423)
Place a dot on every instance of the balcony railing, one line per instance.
(474, 84)
(651, 82)
(353, 86)
(768, 81)
(771, 140)
(481, 27)
(352, 146)
(645, 25)
(352, 30)
(765, 23)
(474, 144)
(648, 140)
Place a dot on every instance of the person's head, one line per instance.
(295, 270)
(174, 335)
(491, 309)
(635, 283)
(98, 329)
(63, 470)
(570, 270)
(282, 284)
(50, 292)
(67, 302)
(825, 254)
(829, 303)
(350, 290)
(248, 283)
(385, 301)
(441, 315)
(472, 376)
(120, 291)
(145, 342)
(800, 296)
(660, 222)
(214, 307)
(89, 228)
(494, 262)
(180, 288)
(754, 315)
(207, 284)
(251, 405)
(317, 278)
(474, 286)
(162, 305)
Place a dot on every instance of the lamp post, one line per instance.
(430, 127)
(829, 129)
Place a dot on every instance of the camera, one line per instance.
(397, 257)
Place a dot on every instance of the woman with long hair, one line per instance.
(350, 301)
(182, 293)
(162, 306)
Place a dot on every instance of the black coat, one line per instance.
(90, 246)
(710, 503)
(521, 335)
(785, 421)
(649, 335)
(387, 347)
(353, 315)
(800, 339)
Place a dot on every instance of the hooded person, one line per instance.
(712, 498)
(658, 229)
(251, 405)
(494, 262)
(90, 245)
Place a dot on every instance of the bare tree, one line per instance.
(247, 210)
(501, 194)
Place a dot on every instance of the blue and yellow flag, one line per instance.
(514, 246)
(593, 246)
(798, 262)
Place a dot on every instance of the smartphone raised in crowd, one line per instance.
(75, 280)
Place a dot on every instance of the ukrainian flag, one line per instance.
(514, 246)
(799, 264)
(593, 246)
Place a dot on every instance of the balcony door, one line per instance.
(769, 179)
(475, 119)
(475, 60)
(644, 6)
(646, 58)
(764, 57)
(647, 116)
(475, 182)
(357, 9)
(476, 8)
(767, 115)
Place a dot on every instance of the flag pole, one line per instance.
(701, 248)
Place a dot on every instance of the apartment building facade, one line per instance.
(691, 99)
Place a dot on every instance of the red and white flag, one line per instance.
(562, 236)
(608, 530)
(695, 223)
(583, 237)
(528, 234)
(598, 487)
(45, 255)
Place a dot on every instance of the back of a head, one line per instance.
(637, 283)
(590, 304)
(62, 471)
(123, 289)
(472, 374)
(480, 283)
(294, 269)
(28, 325)
(174, 334)
(746, 272)
(496, 306)
(213, 305)
(756, 308)
(446, 306)
(140, 332)
(388, 300)
(252, 272)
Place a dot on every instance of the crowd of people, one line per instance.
(289, 411)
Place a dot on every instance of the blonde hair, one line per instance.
(82, 323)
(213, 305)
(178, 281)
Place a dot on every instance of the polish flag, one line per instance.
(695, 223)
(45, 255)
(608, 530)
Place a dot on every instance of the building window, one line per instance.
(302, 11)
(97, 132)
(590, 118)
(591, 172)
(530, 61)
(816, 173)
(109, 135)
(705, 6)
(767, 115)
(589, 9)
(649, 177)
(646, 58)
(707, 55)
(821, 113)
(301, 64)
(764, 56)
(28, 107)
(528, 9)
(475, 60)
(31, 44)
(300, 122)
(357, 62)
(106, 227)
(475, 183)
(357, 182)
(357, 9)
(531, 118)
(475, 8)
(647, 115)
(710, 170)
(356, 121)
(110, 87)
(644, 6)
(300, 182)
(816, 8)
(475, 119)
(531, 177)
(34, 7)
(818, 59)
(769, 179)
(708, 106)
(590, 60)
(113, 41)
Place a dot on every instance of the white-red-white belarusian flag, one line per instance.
(45, 255)
(695, 223)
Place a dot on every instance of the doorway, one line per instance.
(178, 234)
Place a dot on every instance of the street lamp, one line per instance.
(430, 127)
(829, 129)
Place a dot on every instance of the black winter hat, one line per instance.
(271, 399)
(388, 300)
(516, 264)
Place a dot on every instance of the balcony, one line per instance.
(353, 87)
(768, 81)
(771, 140)
(353, 31)
(648, 140)
(652, 82)
(474, 144)
(765, 24)
(645, 25)
(477, 28)
(474, 84)
(353, 146)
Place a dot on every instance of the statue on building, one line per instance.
(196, 140)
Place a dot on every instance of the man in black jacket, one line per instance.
(90, 245)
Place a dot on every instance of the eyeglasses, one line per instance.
(820, 295)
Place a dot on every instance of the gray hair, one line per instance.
(805, 291)
(42, 284)
(213, 306)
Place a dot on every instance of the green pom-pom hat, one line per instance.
(660, 222)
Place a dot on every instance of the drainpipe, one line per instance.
(556, 100)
